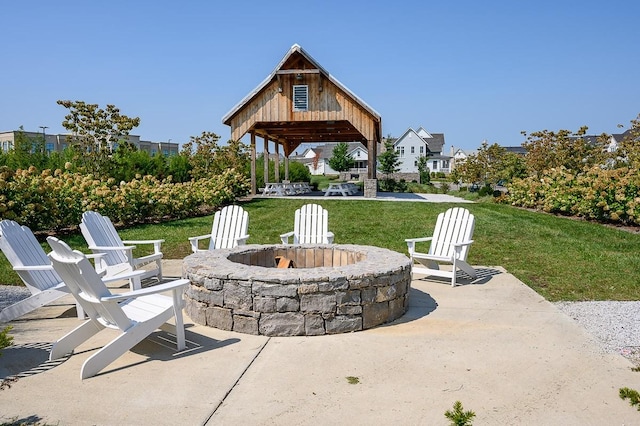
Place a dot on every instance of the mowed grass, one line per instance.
(560, 258)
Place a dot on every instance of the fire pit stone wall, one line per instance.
(331, 288)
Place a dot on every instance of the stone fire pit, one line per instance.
(331, 289)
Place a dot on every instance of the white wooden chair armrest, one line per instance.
(417, 240)
(112, 248)
(285, 237)
(463, 243)
(195, 242)
(330, 237)
(93, 255)
(160, 288)
(242, 240)
(156, 243)
(123, 276)
(33, 268)
(411, 243)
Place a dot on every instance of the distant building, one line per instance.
(58, 143)
(316, 158)
(414, 144)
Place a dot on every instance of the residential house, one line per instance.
(414, 144)
(316, 158)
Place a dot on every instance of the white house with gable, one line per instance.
(316, 158)
(414, 144)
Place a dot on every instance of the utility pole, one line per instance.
(44, 137)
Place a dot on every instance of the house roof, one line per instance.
(434, 141)
(326, 150)
(515, 149)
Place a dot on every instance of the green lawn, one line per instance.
(560, 258)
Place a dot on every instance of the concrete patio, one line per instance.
(494, 344)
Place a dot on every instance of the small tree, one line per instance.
(423, 169)
(340, 160)
(388, 163)
(459, 417)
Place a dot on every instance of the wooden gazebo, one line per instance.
(300, 102)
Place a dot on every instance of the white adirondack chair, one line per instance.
(117, 255)
(136, 313)
(449, 244)
(33, 266)
(230, 227)
(310, 226)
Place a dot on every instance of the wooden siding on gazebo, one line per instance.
(300, 102)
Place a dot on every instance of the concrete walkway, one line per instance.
(495, 345)
(381, 196)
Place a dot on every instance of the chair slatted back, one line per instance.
(100, 232)
(453, 226)
(229, 223)
(85, 284)
(21, 248)
(311, 225)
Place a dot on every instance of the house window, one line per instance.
(421, 150)
(49, 147)
(413, 150)
(300, 98)
(435, 165)
(415, 163)
(400, 151)
(445, 164)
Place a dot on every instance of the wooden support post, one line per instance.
(372, 148)
(266, 159)
(286, 168)
(254, 186)
(277, 162)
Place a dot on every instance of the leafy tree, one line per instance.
(233, 155)
(179, 168)
(423, 169)
(547, 150)
(27, 151)
(201, 151)
(389, 161)
(491, 164)
(95, 131)
(207, 158)
(340, 160)
(298, 172)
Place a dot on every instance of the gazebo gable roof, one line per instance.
(295, 53)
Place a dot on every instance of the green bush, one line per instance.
(55, 200)
(605, 195)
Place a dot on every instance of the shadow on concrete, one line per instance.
(421, 304)
(483, 276)
(27, 359)
(161, 346)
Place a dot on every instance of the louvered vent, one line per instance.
(300, 98)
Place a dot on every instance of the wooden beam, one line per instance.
(287, 72)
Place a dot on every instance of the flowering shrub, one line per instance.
(606, 195)
(51, 200)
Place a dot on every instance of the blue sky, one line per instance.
(471, 70)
